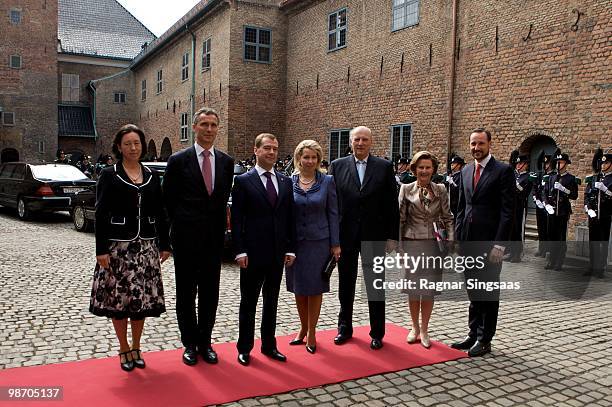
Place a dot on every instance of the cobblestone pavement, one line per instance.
(545, 352)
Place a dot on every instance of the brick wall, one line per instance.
(29, 92)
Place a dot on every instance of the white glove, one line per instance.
(450, 180)
(601, 186)
(539, 204)
(591, 213)
(549, 209)
(519, 187)
(561, 187)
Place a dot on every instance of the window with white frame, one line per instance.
(337, 30)
(206, 54)
(143, 90)
(70, 88)
(160, 81)
(119, 97)
(401, 141)
(184, 126)
(8, 118)
(257, 44)
(15, 61)
(185, 67)
(338, 143)
(15, 16)
(405, 13)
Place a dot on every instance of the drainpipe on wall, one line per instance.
(193, 71)
(451, 96)
(92, 86)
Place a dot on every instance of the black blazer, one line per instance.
(485, 214)
(368, 212)
(126, 211)
(192, 212)
(263, 232)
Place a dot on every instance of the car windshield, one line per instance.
(54, 172)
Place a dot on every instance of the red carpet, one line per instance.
(168, 382)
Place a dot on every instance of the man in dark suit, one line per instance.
(367, 202)
(196, 187)
(484, 222)
(263, 234)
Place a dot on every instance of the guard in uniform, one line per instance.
(522, 189)
(539, 197)
(560, 189)
(452, 183)
(402, 173)
(598, 206)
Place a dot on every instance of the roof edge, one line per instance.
(134, 17)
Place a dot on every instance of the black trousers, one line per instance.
(253, 280)
(542, 222)
(197, 273)
(347, 276)
(557, 236)
(599, 237)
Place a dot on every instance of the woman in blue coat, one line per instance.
(317, 225)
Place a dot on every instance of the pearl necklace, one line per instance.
(303, 181)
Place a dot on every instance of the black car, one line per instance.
(33, 188)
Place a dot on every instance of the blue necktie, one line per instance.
(271, 191)
(361, 170)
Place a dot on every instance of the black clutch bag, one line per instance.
(329, 267)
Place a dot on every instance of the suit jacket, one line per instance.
(416, 221)
(368, 212)
(193, 213)
(485, 213)
(265, 233)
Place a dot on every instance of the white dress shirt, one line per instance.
(264, 179)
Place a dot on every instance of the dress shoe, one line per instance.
(465, 344)
(479, 349)
(125, 361)
(601, 274)
(244, 359)
(137, 358)
(412, 335)
(425, 340)
(548, 266)
(376, 344)
(209, 355)
(190, 356)
(341, 338)
(297, 342)
(275, 354)
(311, 349)
(558, 267)
(515, 260)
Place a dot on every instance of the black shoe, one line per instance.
(479, 349)
(190, 356)
(548, 266)
(244, 359)
(341, 338)
(558, 267)
(311, 349)
(275, 354)
(589, 272)
(125, 361)
(376, 344)
(515, 260)
(138, 360)
(600, 274)
(209, 355)
(297, 342)
(465, 344)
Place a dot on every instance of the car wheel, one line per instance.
(81, 223)
(22, 210)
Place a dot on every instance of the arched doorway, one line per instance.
(152, 151)
(166, 150)
(533, 147)
(9, 155)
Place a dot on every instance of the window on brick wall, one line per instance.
(184, 126)
(70, 88)
(119, 97)
(405, 14)
(160, 81)
(401, 141)
(338, 143)
(206, 54)
(8, 118)
(15, 16)
(15, 61)
(337, 30)
(185, 67)
(41, 146)
(143, 90)
(257, 44)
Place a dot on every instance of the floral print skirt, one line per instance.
(132, 288)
